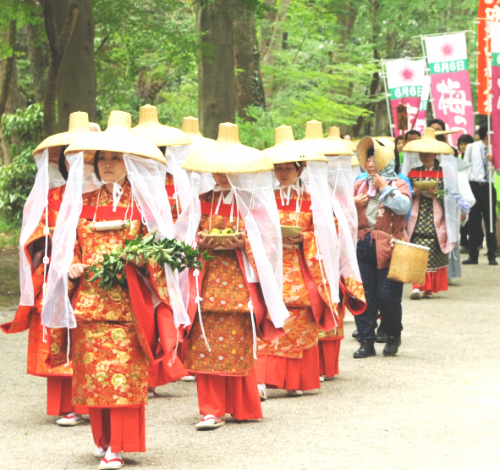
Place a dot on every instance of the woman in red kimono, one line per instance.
(291, 362)
(115, 335)
(228, 305)
(45, 344)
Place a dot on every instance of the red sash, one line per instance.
(425, 174)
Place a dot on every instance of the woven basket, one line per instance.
(289, 231)
(408, 263)
(425, 185)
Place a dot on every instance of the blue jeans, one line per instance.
(382, 295)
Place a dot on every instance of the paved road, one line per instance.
(436, 406)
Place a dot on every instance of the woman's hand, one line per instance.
(463, 216)
(204, 241)
(379, 182)
(76, 270)
(417, 191)
(294, 241)
(432, 191)
(234, 243)
(361, 200)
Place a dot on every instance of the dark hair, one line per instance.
(61, 164)
(370, 153)
(96, 168)
(398, 138)
(413, 132)
(483, 131)
(163, 149)
(438, 121)
(465, 139)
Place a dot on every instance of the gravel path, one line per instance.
(435, 406)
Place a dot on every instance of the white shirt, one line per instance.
(475, 154)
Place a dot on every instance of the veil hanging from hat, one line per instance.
(147, 178)
(257, 206)
(324, 225)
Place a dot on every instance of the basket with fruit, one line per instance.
(221, 236)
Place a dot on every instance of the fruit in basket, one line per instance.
(215, 231)
(227, 231)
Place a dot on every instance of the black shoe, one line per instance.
(381, 335)
(365, 350)
(392, 346)
(355, 334)
(493, 262)
(469, 261)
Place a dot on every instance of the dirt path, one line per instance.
(435, 407)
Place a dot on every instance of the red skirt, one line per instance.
(221, 394)
(60, 397)
(122, 429)
(162, 374)
(435, 281)
(289, 374)
(329, 352)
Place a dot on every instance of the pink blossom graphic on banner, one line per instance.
(450, 82)
(405, 79)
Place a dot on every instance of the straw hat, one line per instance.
(286, 149)
(334, 134)
(383, 153)
(316, 142)
(449, 131)
(191, 127)
(428, 144)
(150, 129)
(227, 155)
(116, 138)
(78, 126)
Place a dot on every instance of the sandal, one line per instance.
(71, 419)
(209, 422)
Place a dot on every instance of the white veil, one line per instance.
(257, 206)
(147, 178)
(324, 226)
(34, 207)
(57, 311)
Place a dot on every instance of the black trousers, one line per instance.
(382, 295)
(481, 210)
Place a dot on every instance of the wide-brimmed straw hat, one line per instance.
(191, 127)
(286, 149)
(449, 131)
(78, 126)
(227, 155)
(334, 134)
(149, 128)
(428, 144)
(116, 138)
(316, 142)
(383, 153)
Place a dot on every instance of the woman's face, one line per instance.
(371, 169)
(287, 173)
(427, 158)
(400, 145)
(111, 166)
(463, 146)
(221, 180)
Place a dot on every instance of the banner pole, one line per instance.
(386, 93)
(424, 52)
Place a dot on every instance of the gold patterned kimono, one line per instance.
(301, 328)
(224, 308)
(110, 366)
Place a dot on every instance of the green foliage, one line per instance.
(23, 130)
(171, 252)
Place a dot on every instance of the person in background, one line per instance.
(398, 151)
(382, 201)
(477, 154)
(463, 141)
(439, 125)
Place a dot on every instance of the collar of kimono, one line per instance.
(225, 205)
(286, 195)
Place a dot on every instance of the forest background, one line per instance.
(259, 63)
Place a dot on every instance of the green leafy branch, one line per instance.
(172, 252)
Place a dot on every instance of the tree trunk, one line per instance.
(276, 34)
(216, 81)
(37, 55)
(77, 78)
(249, 87)
(59, 38)
(8, 68)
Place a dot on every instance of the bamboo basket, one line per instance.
(222, 237)
(408, 263)
(425, 185)
(289, 231)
